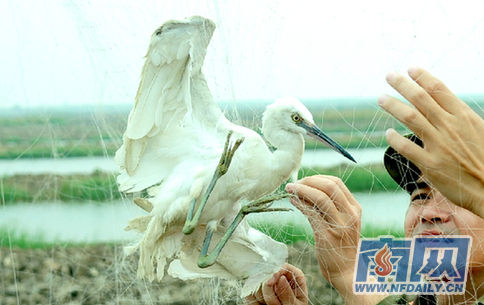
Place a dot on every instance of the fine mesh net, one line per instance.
(70, 74)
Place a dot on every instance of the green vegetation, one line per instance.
(63, 134)
(97, 132)
(372, 231)
(288, 233)
(372, 177)
(93, 133)
(21, 241)
(10, 238)
(98, 187)
(61, 151)
(34, 188)
(60, 134)
(101, 186)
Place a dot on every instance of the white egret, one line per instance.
(200, 184)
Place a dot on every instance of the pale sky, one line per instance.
(61, 52)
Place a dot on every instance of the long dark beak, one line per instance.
(316, 133)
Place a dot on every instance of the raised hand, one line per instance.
(452, 159)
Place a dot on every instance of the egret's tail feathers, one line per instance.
(155, 248)
(139, 224)
(249, 255)
(273, 255)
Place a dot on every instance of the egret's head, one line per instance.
(290, 115)
(287, 114)
(180, 39)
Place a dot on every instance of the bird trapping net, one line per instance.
(70, 73)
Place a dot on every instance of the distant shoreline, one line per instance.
(101, 186)
(311, 103)
(69, 151)
(97, 131)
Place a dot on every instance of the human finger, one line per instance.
(318, 219)
(297, 280)
(345, 195)
(313, 198)
(270, 296)
(407, 148)
(349, 196)
(417, 96)
(331, 189)
(315, 217)
(294, 273)
(406, 114)
(284, 291)
(437, 89)
(343, 187)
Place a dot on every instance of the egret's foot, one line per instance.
(263, 204)
(206, 261)
(257, 206)
(222, 168)
(227, 155)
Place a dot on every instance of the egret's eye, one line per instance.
(296, 118)
(158, 33)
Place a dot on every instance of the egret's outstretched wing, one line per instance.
(174, 117)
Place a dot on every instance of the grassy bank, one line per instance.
(104, 147)
(288, 233)
(101, 186)
(373, 177)
(65, 150)
(54, 133)
(10, 238)
(60, 134)
(98, 186)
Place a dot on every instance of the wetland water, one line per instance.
(86, 165)
(104, 222)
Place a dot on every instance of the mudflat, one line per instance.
(101, 274)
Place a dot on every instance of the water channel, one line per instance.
(104, 222)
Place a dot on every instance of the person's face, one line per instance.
(430, 213)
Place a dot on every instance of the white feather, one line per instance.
(172, 145)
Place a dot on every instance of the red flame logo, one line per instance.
(382, 260)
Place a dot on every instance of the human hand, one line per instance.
(452, 159)
(286, 287)
(335, 217)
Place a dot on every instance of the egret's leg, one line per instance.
(260, 205)
(222, 168)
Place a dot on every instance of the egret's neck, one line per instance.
(288, 154)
